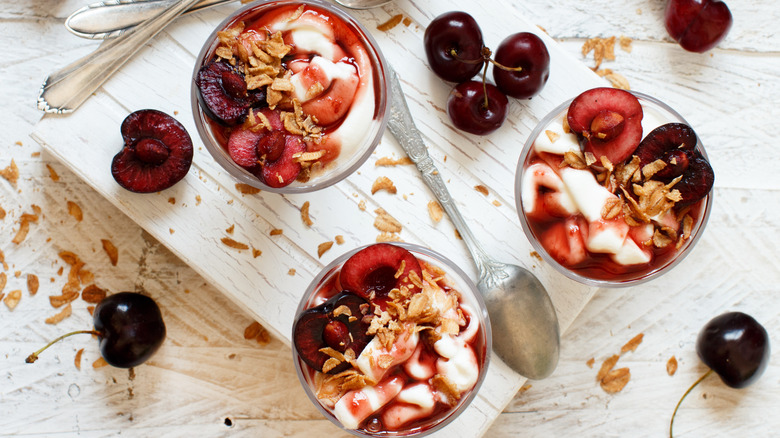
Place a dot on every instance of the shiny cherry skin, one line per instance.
(469, 111)
(697, 25)
(459, 32)
(527, 51)
(130, 328)
(736, 347)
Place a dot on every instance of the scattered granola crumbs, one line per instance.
(625, 43)
(536, 255)
(389, 161)
(197, 200)
(383, 183)
(632, 344)
(13, 298)
(11, 173)
(230, 229)
(386, 223)
(52, 173)
(111, 251)
(388, 237)
(616, 380)
(233, 244)
(99, 363)
(497, 203)
(93, 294)
(64, 313)
(305, 214)
(339, 239)
(607, 366)
(256, 253)
(362, 205)
(394, 21)
(671, 366)
(435, 211)
(482, 189)
(590, 362)
(323, 248)
(291, 272)
(602, 48)
(246, 189)
(77, 359)
(172, 200)
(75, 211)
(276, 232)
(32, 284)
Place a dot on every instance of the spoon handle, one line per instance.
(66, 89)
(401, 125)
(112, 18)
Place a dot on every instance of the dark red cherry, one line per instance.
(471, 111)
(453, 45)
(129, 327)
(736, 347)
(697, 25)
(157, 152)
(528, 52)
(222, 93)
(377, 269)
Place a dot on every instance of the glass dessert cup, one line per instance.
(599, 268)
(347, 139)
(328, 284)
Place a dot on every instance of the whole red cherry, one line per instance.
(697, 25)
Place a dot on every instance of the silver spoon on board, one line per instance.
(526, 335)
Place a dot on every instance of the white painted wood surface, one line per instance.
(206, 372)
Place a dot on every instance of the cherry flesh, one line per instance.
(527, 51)
(697, 25)
(129, 327)
(476, 107)
(453, 45)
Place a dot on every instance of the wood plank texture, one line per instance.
(207, 373)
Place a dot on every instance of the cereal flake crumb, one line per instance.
(305, 214)
(383, 183)
(671, 366)
(52, 173)
(632, 344)
(234, 244)
(75, 211)
(322, 248)
(339, 239)
(435, 211)
(32, 284)
(59, 317)
(394, 21)
(12, 299)
(111, 251)
(389, 161)
(11, 173)
(590, 362)
(482, 189)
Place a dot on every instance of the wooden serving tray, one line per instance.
(192, 217)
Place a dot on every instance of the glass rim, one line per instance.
(452, 270)
(681, 255)
(317, 182)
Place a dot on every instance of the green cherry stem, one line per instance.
(33, 357)
(671, 423)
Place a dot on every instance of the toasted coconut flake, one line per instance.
(93, 294)
(65, 298)
(52, 173)
(661, 240)
(339, 239)
(32, 284)
(383, 183)
(651, 169)
(616, 380)
(11, 173)
(607, 366)
(388, 161)
(256, 253)
(227, 241)
(445, 386)
(671, 366)
(552, 136)
(111, 251)
(632, 344)
(273, 97)
(305, 214)
(99, 363)
(590, 362)
(394, 21)
(315, 90)
(3, 280)
(386, 223)
(64, 313)
(574, 160)
(13, 298)
(603, 48)
(482, 189)
(435, 211)
(612, 207)
(275, 46)
(324, 247)
(342, 310)
(21, 234)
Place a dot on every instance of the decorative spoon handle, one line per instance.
(402, 127)
(112, 18)
(64, 90)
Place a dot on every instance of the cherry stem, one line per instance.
(503, 67)
(484, 85)
(33, 357)
(454, 54)
(671, 423)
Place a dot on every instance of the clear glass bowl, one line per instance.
(665, 114)
(334, 171)
(469, 295)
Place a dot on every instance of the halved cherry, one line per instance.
(608, 122)
(377, 269)
(337, 323)
(565, 241)
(223, 95)
(675, 144)
(285, 169)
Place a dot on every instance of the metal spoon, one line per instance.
(526, 335)
(362, 4)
